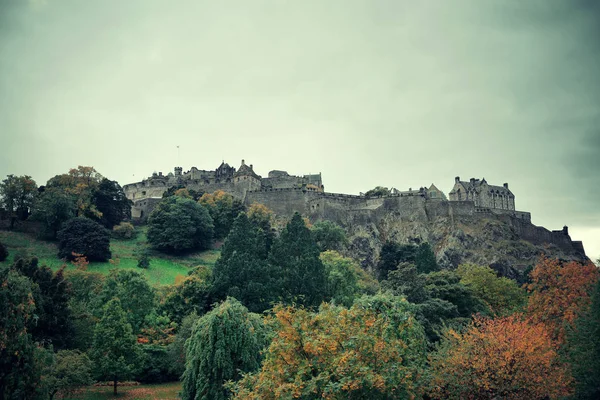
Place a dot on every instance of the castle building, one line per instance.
(483, 194)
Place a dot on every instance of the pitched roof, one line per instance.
(476, 184)
(245, 170)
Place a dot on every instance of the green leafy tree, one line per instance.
(17, 196)
(180, 189)
(502, 295)
(225, 343)
(110, 200)
(190, 295)
(329, 236)
(81, 183)
(583, 350)
(114, 351)
(392, 254)
(68, 370)
(85, 287)
(178, 224)
(83, 236)
(242, 271)
(223, 208)
(378, 191)
(425, 259)
(19, 376)
(295, 257)
(134, 292)
(262, 218)
(3, 252)
(53, 208)
(343, 278)
(176, 350)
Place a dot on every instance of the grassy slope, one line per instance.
(163, 268)
(163, 391)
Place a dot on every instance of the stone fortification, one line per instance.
(423, 214)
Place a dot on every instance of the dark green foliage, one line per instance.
(114, 351)
(85, 287)
(295, 257)
(194, 194)
(176, 350)
(192, 295)
(178, 224)
(393, 253)
(425, 259)
(53, 208)
(84, 236)
(19, 376)
(406, 281)
(378, 191)
(51, 294)
(135, 294)
(225, 343)
(329, 236)
(65, 372)
(446, 285)
(17, 196)
(223, 209)
(583, 348)
(155, 365)
(3, 252)
(111, 201)
(144, 260)
(242, 271)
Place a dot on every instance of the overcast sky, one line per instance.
(393, 93)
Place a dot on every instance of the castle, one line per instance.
(285, 194)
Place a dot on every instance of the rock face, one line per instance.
(505, 242)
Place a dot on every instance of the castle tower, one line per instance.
(246, 179)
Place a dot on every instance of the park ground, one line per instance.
(141, 392)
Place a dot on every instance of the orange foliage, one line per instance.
(507, 358)
(558, 292)
(79, 261)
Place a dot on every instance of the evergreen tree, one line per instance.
(114, 351)
(110, 200)
(425, 259)
(225, 343)
(295, 256)
(83, 236)
(242, 271)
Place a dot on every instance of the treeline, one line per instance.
(284, 314)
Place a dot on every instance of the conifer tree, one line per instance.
(295, 256)
(224, 343)
(114, 351)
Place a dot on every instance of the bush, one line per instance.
(178, 224)
(86, 237)
(3, 252)
(144, 261)
(124, 230)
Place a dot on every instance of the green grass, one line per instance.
(164, 269)
(142, 392)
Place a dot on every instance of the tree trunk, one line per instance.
(115, 386)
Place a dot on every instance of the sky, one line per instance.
(373, 92)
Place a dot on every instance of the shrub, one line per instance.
(143, 261)
(3, 252)
(124, 230)
(86, 237)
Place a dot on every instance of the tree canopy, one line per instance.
(85, 237)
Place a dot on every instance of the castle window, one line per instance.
(144, 193)
(432, 195)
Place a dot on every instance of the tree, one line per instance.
(68, 371)
(19, 376)
(508, 358)
(502, 295)
(378, 191)
(392, 254)
(124, 230)
(134, 292)
(223, 208)
(295, 257)
(262, 218)
(425, 259)
(191, 295)
(53, 208)
(114, 350)
(176, 350)
(583, 349)
(329, 236)
(559, 291)
(374, 350)
(3, 252)
(82, 183)
(343, 278)
(242, 271)
(224, 343)
(83, 236)
(17, 196)
(110, 200)
(178, 224)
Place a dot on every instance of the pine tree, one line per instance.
(114, 351)
(295, 256)
(224, 343)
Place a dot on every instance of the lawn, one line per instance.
(163, 391)
(164, 269)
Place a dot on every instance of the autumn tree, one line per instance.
(114, 350)
(374, 350)
(17, 196)
(558, 292)
(242, 271)
(178, 224)
(295, 258)
(86, 237)
(82, 183)
(224, 343)
(583, 349)
(223, 208)
(502, 295)
(507, 358)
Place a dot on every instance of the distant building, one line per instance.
(483, 194)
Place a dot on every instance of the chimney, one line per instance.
(457, 179)
(243, 162)
(251, 167)
(472, 180)
(505, 185)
